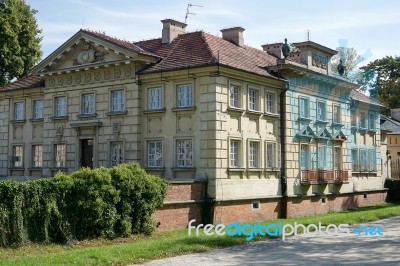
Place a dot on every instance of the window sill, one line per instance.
(87, 115)
(117, 113)
(255, 169)
(236, 169)
(183, 109)
(19, 168)
(22, 121)
(160, 169)
(304, 119)
(372, 130)
(336, 124)
(272, 169)
(183, 169)
(36, 119)
(35, 168)
(353, 127)
(321, 121)
(235, 110)
(66, 117)
(153, 111)
(275, 115)
(62, 169)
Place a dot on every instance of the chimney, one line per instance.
(171, 29)
(234, 35)
(274, 49)
(395, 113)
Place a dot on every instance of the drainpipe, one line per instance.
(282, 96)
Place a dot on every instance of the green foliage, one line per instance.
(19, 40)
(351, 59)
(86, 204)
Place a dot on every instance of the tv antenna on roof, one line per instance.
(188, 12)
(308, 35)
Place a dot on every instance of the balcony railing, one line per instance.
(322, 176)
(309, 176)
(325, 176)
(364, 168)
(341, 176)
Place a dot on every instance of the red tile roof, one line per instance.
(30, 81)
(200, 48)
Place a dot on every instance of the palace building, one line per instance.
(240, 133)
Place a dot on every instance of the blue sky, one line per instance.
(363, 24)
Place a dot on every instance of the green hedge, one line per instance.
(394, 189)
(86, 204)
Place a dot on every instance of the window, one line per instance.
(363, 160)
(234, 96)
(363, 121)
(117, 101)
(353, 117)
(253, 154)
(304, 156)
(372, 160)
(37, 109)
(117, 153)
(337, 155)
(154, 154)
(270, 103)
(371, 121)
(19, 111)
(304, 107)
(154, 98)
(234, 153)
(184, 153)
(88, 103)
(184, 96)
(59, 155)
(322, 156)
(18, 155)
(37, 156)
(336, 114)
(60, 106)
(253, 95)
(354, 160)
(321, 111)
(271, 155)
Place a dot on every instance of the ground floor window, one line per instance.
(37, 156)
(154, 153)
(117, 153)
(271, 154)
(18, 155)
(59, 155)
(184, 153)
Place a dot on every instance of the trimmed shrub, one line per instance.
(88, 203)
(394, 189)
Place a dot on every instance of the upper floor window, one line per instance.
(371, 121)
(253, 154)
(154, 154)
(37, 109)
(354, 160)
(19, 111)
(321, 156)
(234, 95)
(304, 106)
(304, 156)
(154, 98)
(88, 103)
(363, 120)
(270, 103)
(60, 106)
(271, 155)
(18, 155)
(184, 96)
(118, 101)
(336, 114)
(321, 111)
(234, 153)
(337, 155)
(353, 118)
(184, 153)
(253, 98)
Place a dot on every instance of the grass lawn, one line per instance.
(137, 249)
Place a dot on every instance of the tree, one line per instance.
(382, 78)
(19, 40)
(350, 59)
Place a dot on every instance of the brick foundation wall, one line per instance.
(242, 211)
(297, 207)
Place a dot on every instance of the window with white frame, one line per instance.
(116, 153)
(59, 155)
(253, 154)
(253, 99)
(372, 160)
(88, 103)
(154, 98)
(363, 120)
(353, 118)
(322, 156)
(321, 111)
(271, 154)
(19, 111)
(371, 121)
(37, 156)
(184, 96)
(270, 103)
(337, 155)
(336, 117)
(304, 156)
(18, 155)
(60, 106)
(184, 153)
(355, 166)
(154, 153)
(118, 101)
(304, 107)
(234, 95)
(37, 109)
(234, 153)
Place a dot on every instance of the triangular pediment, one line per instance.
(306, 132)
(324, 134)
(89, 49)
(339, 135)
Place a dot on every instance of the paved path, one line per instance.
(335, 250)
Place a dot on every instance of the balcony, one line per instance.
(308, 176)
(341, 176)
(325, 176)
(322, 176)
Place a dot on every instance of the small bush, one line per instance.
(88, 203)
(394, 189)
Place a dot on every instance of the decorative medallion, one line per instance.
(60, 81)
(117, 73)
(69, 80)
(59, 130)
(128, 72)
(97, 76)
(107, 74)
(89, 55)
(116, 126)
(52, 82)
(78, 79)
(88, 77)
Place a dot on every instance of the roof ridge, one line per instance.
(214, 58)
